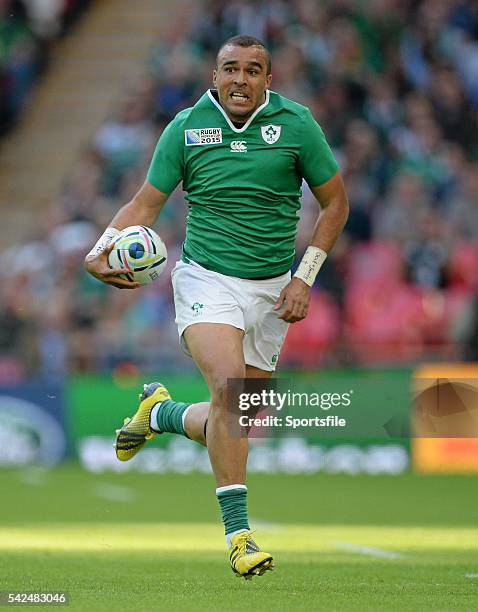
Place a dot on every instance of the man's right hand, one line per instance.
(98, 267)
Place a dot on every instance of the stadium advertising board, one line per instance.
(99, 403)
(32, 424)
(446, 436)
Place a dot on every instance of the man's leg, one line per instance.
(217, 350)
(196, 417)
(158, 413)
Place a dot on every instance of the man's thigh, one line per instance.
(217, 351)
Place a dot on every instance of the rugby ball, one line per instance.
(140, 251)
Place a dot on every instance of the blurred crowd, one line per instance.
(394, 84)
(27, 30)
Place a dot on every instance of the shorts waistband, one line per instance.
(267, 277)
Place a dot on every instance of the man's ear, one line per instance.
(214, 77)
(268, 81)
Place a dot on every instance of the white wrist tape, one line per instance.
(310, 264)
(104, 241)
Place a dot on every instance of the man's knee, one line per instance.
(219, 394)
(220, 386)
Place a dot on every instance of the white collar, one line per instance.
(248, 122)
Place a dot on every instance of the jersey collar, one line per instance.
(248, 122)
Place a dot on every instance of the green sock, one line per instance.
(169, 417)
(233, 502)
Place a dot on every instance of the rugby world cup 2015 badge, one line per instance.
(202, 136)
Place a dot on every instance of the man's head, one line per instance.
(242, 75)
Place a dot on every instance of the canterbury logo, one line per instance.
(238, 146)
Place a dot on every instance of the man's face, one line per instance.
(241, 80)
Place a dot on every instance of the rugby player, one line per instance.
(241, 152)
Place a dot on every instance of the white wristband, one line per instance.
(310, 264)
(104, 241)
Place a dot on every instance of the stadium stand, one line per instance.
(27, 31)
(394, 85)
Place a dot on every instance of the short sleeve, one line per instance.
(316, 163)
(166, 168)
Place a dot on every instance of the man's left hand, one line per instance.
(295, 296)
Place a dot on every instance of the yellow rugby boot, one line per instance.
(247, 559)
(136, 431)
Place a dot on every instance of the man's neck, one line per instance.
(237, 124)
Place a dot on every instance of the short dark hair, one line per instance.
(247, 41)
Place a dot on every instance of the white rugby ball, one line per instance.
(141, 251)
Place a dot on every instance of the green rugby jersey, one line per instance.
(243, 184)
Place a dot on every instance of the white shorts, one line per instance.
(203, 296)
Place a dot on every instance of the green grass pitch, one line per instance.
(154, 542)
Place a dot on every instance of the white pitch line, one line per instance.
(115, 493)
(265, 525)
(36, 477)
(471, 575)
(368, 550)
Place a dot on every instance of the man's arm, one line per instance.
(333, 216)
(143, 209)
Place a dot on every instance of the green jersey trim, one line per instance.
(229, 122)
(272, 271)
